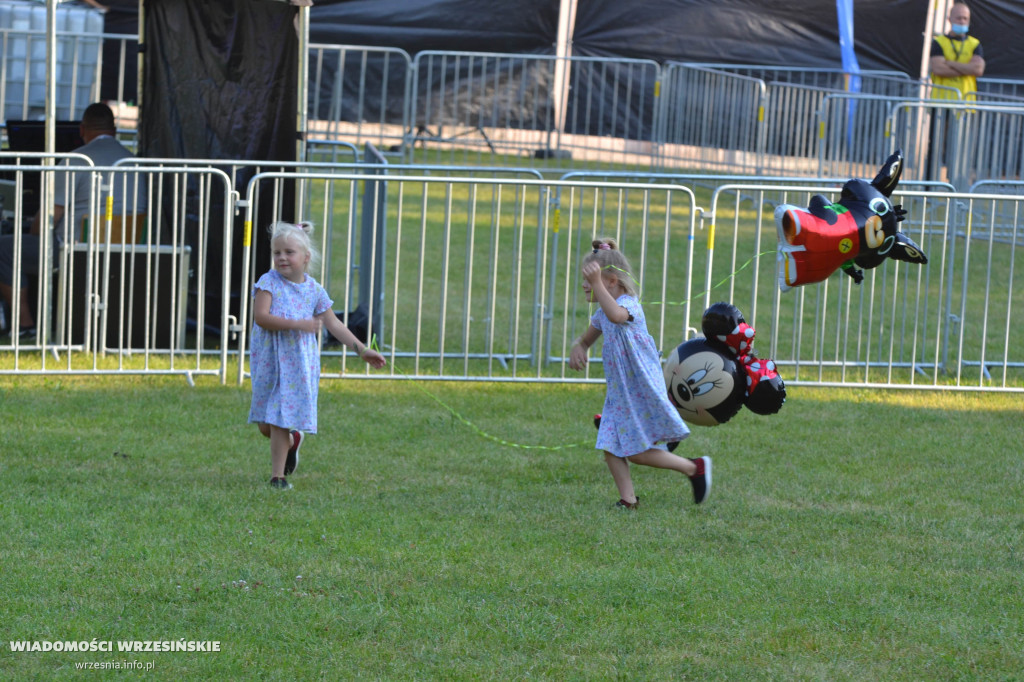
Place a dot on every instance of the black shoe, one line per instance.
(701, 481)
(293, 452)
(26, 332)
(280, 484)
(622, 504)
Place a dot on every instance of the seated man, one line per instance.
(98, 132)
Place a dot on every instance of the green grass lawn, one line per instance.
(853, 536)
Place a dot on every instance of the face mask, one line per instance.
(960, 29)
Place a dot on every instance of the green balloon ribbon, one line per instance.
(511, 444)
(473, 427)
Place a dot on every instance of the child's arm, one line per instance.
(615, 312)
(578, 352)
(274, 323)
(337, 328)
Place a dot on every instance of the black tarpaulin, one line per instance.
(522, 27)
(220, 79)
(797, 33)
(793, 33)
(220, 82)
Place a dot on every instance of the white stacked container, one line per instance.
(23, 44)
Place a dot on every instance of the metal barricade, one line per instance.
(118, 298)
(960, 141)
(359, 94)
(879, 82)
(853, 134)
(577, 110)
(855, 131)
(943, 325)
(481, 278)
(791, 118)
(1001, 87)
(772, 120)
(712, 181)
(655, 225)
(710, 119)
(34, 187)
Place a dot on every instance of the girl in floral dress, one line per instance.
(637, 419)
(289, 310)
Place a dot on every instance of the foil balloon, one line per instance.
(860, 230)
(709, 378)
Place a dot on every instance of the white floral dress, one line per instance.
(285, 364)
(637, 414)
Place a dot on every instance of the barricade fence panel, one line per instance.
(482, 280)
(711, 119)
(359, 94)
(946, 324)
(654, 225)
(853, 134)
(961, 142)
(891, 83)
(120, 293)
(1008, 87)
(559, 111)
(481, 274)
(791, 129)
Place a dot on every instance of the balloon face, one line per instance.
(875, 215)
(706, 385)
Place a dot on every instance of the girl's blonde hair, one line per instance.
(300, 234)
(606, 254)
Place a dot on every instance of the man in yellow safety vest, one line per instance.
(956, 62)
(957, 59)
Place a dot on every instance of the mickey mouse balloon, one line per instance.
(709, 378)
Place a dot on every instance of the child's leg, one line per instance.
(662, 459)
(280, 441)
(264, 428)
(620, 472)
(697, 470)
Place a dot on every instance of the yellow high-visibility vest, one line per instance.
(957, 51)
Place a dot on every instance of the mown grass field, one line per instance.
(855, 535)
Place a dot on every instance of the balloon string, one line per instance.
(507, 443)
(725, 279)
(731, 275)
(473, 427)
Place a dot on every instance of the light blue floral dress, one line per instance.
(285, 365)
(637, 414)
